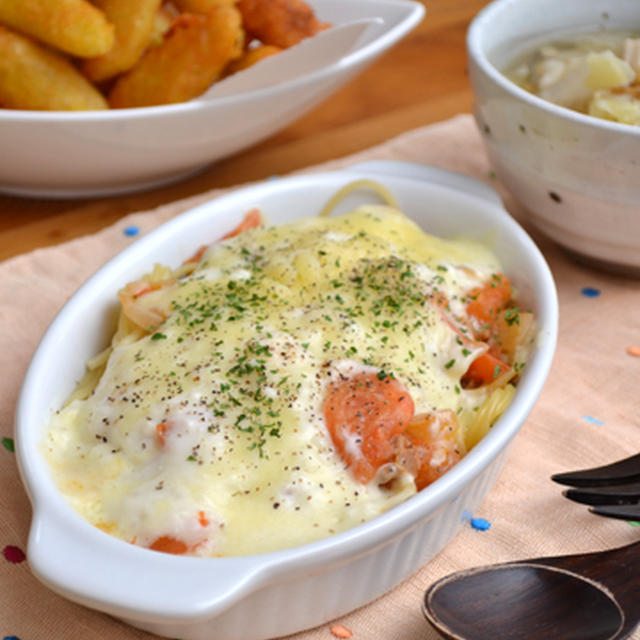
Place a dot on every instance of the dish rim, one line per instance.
(478, 29)
(414, 13)
(50, 507)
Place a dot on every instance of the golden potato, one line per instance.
(73, 26)
(161, 25)
(193, 54)
(250, 57)
(201, 6)
(148, 52)
(33, 77)
(134, 23)
(281, 23)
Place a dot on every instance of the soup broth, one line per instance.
(597, 74)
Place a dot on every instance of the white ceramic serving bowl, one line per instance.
(577, 176)
(272, 594)
(72, 154)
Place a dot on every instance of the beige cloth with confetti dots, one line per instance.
(587, 415)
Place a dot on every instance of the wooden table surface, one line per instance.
(423, 79)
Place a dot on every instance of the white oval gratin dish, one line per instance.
(272, 594)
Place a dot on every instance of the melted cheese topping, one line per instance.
(211, 429)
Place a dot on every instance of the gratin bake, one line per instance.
(288, 383)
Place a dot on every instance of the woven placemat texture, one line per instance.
(588, 414)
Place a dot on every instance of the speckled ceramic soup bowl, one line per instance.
(278, 593)
(578, 176)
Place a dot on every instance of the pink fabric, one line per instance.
(587, 415)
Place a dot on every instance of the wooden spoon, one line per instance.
(594, 596)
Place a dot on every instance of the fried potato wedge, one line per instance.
(33, 77)
(281, 23)
(161, 25)
(193, 54)
(250, 57)
(73, 26)
(201, 6)
(134, 23)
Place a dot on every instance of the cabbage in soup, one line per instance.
(597, 74)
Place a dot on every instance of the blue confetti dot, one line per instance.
(593, 420)
(11, 638)
(131, 231)
(480, 524)
(590, 292)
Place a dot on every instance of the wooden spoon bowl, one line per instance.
(592, 596)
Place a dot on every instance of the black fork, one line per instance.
(612, 490)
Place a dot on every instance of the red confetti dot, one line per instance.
(14, 554)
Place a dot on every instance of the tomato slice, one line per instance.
(430, 446)
(170, 544)
(486, 302)
(483, 370)
(362, 414)
(251, 220)
(167, 544)
(161, 432)
(197, 256)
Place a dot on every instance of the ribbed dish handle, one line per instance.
(199, 587)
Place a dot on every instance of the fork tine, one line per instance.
(621, 472)
(616, 494)
(629, 512)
